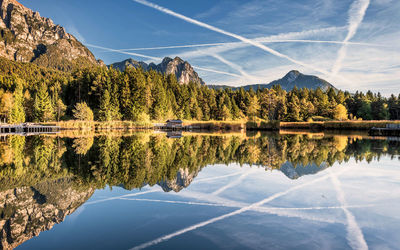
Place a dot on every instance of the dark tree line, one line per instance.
(31, 93)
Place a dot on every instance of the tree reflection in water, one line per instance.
(44, 179)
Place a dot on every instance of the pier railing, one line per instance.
(27, 129)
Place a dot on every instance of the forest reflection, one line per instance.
(150, 159)
(43, 179)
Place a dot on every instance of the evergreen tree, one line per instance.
(105, 110)
(43, 108)
(17, 112)
(253, 108)
(126, 99)
(379, 109)
(293, 109)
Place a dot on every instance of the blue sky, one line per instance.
(354, 44)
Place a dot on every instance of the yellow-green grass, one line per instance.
(96, 125)
(236, 125)
(326, 125)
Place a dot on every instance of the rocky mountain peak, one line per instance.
(292, 76)
(183, 71)
(25, 36)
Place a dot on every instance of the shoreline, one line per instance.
(227, 125)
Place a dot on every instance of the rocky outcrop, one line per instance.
(25, 36)
(27, 211)
(183, 71)
(182, 180)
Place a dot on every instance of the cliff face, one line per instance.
(26, 212)
(25, 36)
(183, 71)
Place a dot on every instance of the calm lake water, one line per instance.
(236, 191)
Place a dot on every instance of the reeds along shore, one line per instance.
(327, 125)
(227, 125)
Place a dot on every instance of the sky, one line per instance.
(354, 44)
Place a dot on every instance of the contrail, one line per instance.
(260, 209)
(122, 196)
(354, 233)
(157, 59)
(232, 184)
(219, 218)
(216, 71)
(216, 178)
(259, 40)
(233, 66)
(124, 52)
(174, 202)
(356, 16)
(289, 212)
(235, 45)
(238, 37)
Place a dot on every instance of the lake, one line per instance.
(145, 190)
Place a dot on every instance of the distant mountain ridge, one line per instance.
(25, 36)
(183, 71)
(288, 82)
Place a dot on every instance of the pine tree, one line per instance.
(293, 109)
(253, 108)
(17, 112)
(105, 111)
(43, 108)
(126, 99)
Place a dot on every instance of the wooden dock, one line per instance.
(389, 130)
(27, 129)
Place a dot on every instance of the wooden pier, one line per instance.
(389, 130)
(27, 129)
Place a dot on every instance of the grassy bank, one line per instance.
(217, 125)
(327, 125)
(97, 126)
(227, 125)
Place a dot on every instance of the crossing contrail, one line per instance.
(174, 202)
(219, 218)
(260, 209)
(267, 40)
(216, 178)
(227, 33)
(354, 233)
(216, 71)
(356, 15)
(124, 52)
(233, 66)
(232, 184)
(122, 196)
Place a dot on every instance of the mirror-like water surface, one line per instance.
(200, 191)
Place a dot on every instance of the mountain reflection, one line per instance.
(44, 179)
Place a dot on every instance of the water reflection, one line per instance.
(43, 179)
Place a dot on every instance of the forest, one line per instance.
(29, 93)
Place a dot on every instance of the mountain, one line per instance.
(183, 71)
(295, 172)
(291, 79)
(25, 36)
